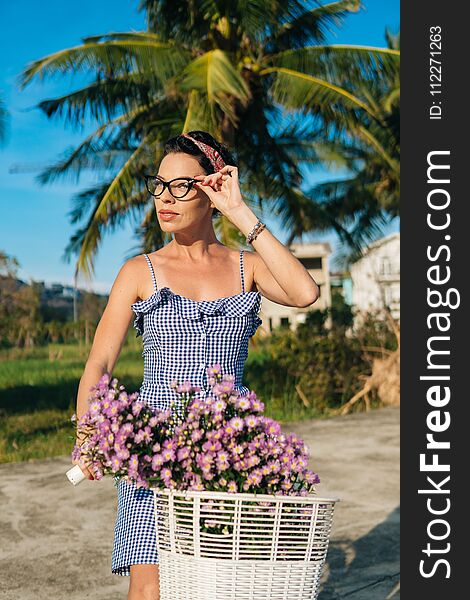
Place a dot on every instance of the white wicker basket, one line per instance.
(273, 548)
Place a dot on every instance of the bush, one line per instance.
(310, 371)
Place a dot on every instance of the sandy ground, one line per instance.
(56, 539)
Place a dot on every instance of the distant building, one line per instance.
(57, 299)
(376, 277)
(314, 257)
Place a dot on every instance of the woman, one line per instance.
(196, 303)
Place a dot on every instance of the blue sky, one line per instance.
(34, 223)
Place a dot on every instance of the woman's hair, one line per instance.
(180, 143)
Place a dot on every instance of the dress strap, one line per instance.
(154, 279)
(241, 272)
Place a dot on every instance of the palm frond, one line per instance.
(110, 143)
(296, 90)
(198, 113)
(103, 100)
(112, 58)
(367, 135)
(214, 76)
(355, 213)
(304, 26)
(113, 202)
(339, 62)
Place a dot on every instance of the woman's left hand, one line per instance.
(222, 188)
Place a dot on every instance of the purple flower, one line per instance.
(211, 446)
(143, 435)
(116, 464)
(196, 435)
(271, 427)
(214, 370)
(187, 387)
(237, 423)
(219, 405)
(104, 445)
(76, 452)
(257, 405)
(127, 428)
(137, 408)
(222, 461)
(253, 460)
(104, 427)
(286, 484)
(166, 473)
(95, 407)
(157, 461)
(183, 453)
(251, 421)
(123, 453)
(133, 465)
(168, 454)
(243, 403)
(104, 380)
(224, 387)
(169, 444)
(124, 399)
(311, 477)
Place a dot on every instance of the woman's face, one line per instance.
(190, 210)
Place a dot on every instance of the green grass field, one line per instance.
(38, 394)
(38, 391)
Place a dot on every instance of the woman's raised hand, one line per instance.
(222, 188)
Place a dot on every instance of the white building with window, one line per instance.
(376, 277)
(314, 257)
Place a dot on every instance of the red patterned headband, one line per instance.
(216, 160)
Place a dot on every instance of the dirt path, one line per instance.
(57, 539)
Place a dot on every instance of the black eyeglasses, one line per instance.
(178, 187)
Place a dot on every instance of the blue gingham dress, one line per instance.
(181, 338)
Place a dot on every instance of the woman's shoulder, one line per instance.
(250, 257)
(134, 271)
(139, 260)
(134, 264)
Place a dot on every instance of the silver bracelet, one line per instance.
(255, 231)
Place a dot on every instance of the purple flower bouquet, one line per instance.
(221, 443)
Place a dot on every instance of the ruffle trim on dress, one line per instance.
(231, 306)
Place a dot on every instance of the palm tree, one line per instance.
(248, 72)
(369, 198)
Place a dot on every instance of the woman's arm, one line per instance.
(278, 274)
(110, 334)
